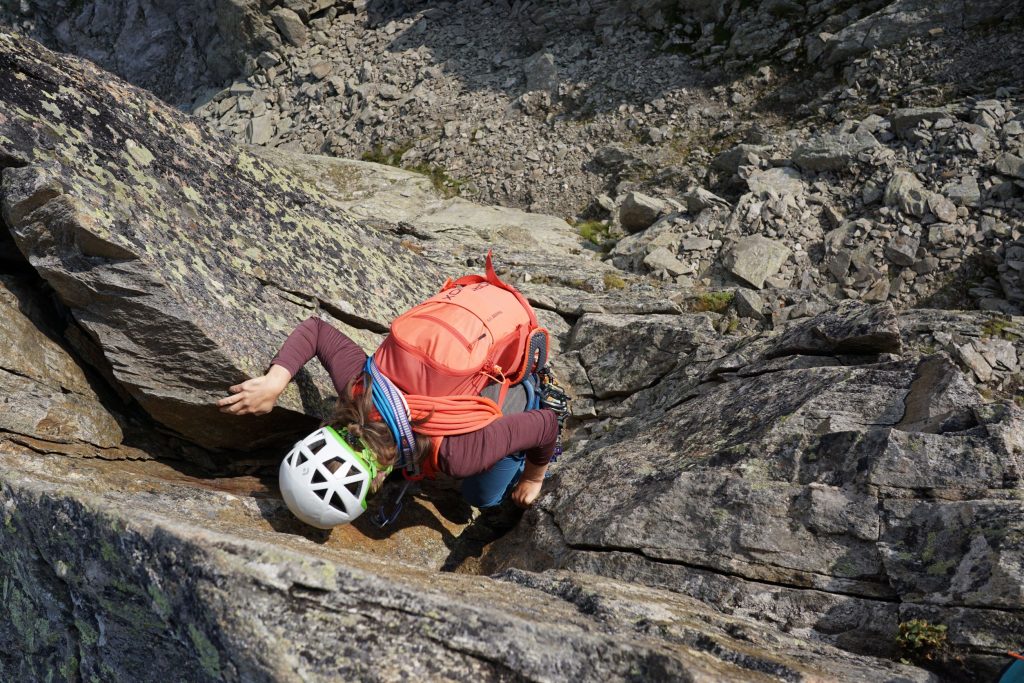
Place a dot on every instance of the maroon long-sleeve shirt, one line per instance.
(462, 455)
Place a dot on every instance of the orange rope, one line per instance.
(450, 415)
(1016, 655)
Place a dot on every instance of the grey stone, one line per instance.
(174, 321)
(783, 182)
(541, 72)
(1010, 164)
(696, 243)
(905, 192)
(268, 59)
(943, 208)
(290, 26)
(965, 192)
(731, 159)
(260, 129)
(753, 259)
(902, 250)
(320, 70)
(699, 199)
(812, 400)
(638, 211)
(905, 120)
(833, 152)
(749, 304)
(660, 258)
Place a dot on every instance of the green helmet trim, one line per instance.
(364, 459)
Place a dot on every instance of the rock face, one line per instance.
(114, 577)
(184, 258)
(813, 478)
(45, 394)
(171, 48)
(764, 497)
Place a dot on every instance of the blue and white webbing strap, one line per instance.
(387, 399)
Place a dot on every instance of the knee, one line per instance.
(479, 496)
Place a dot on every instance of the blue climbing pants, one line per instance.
(489, 488)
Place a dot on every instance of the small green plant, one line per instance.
(921, 641)
(1000, 327)
(390, 157)
(613, 281)
(593, 231)
(711, 302)
(439, 178)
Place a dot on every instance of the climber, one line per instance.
(497, 456)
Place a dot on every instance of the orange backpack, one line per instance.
(476, 330)
(444, 351)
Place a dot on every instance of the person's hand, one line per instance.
(526, 491)
(530, 483)
(256, 396)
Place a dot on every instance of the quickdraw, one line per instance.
(554, 398)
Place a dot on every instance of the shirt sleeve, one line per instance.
(340, 356)
(533, 431)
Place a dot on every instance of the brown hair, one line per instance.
(353, 412)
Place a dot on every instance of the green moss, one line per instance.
(160, 601)
(69, 669)
(32, 627)
(711, 302)
(1000, 327)
(86, 633)
(209, 658)
(613, 281)
(941, 568)
(930, 546)
(439, 178)
(390, 157)
(593, 231)
(107, 551)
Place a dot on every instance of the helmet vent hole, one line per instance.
(318, 477)
(337, 503)
(354, 487)
(300, 459)
(334, 464)
(317, 446)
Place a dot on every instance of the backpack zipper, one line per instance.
(455, 333)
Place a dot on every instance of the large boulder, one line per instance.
(811, 478)
(833, 151)
(111, 572)
(184, 258)
(754, 259)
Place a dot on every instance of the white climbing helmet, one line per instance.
(325, 480)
